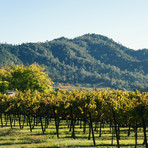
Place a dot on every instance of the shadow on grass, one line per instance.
(9, 143)
(19, 143)
(9, 132)
(41, 134)
(88, 146)
(70, 146)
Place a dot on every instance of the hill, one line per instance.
(89, 59)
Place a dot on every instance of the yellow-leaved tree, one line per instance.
(23, 78)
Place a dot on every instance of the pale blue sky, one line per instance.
(125, 21)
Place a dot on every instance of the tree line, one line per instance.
(88, 59)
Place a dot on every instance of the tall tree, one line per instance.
(23, 78)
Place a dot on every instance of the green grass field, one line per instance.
(15, 137)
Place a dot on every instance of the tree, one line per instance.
(23, 78)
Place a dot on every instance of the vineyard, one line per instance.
(88, 111)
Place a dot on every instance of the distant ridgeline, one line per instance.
(88, 59)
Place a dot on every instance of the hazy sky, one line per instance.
(125, 21)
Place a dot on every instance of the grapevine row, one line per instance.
(123, 109)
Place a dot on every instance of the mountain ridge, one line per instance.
(90, 59)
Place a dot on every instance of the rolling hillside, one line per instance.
(88, 59)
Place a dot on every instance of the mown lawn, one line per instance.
(15, 137)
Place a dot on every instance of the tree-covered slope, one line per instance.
(90, 59)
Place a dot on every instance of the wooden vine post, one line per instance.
(92, 131)
(144, 127)
(115, 123)
(72, 123)
(56, 122)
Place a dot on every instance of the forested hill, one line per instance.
(88, 59)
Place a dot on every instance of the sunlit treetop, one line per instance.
(23, 78)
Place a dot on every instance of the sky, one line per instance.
(125, 21)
